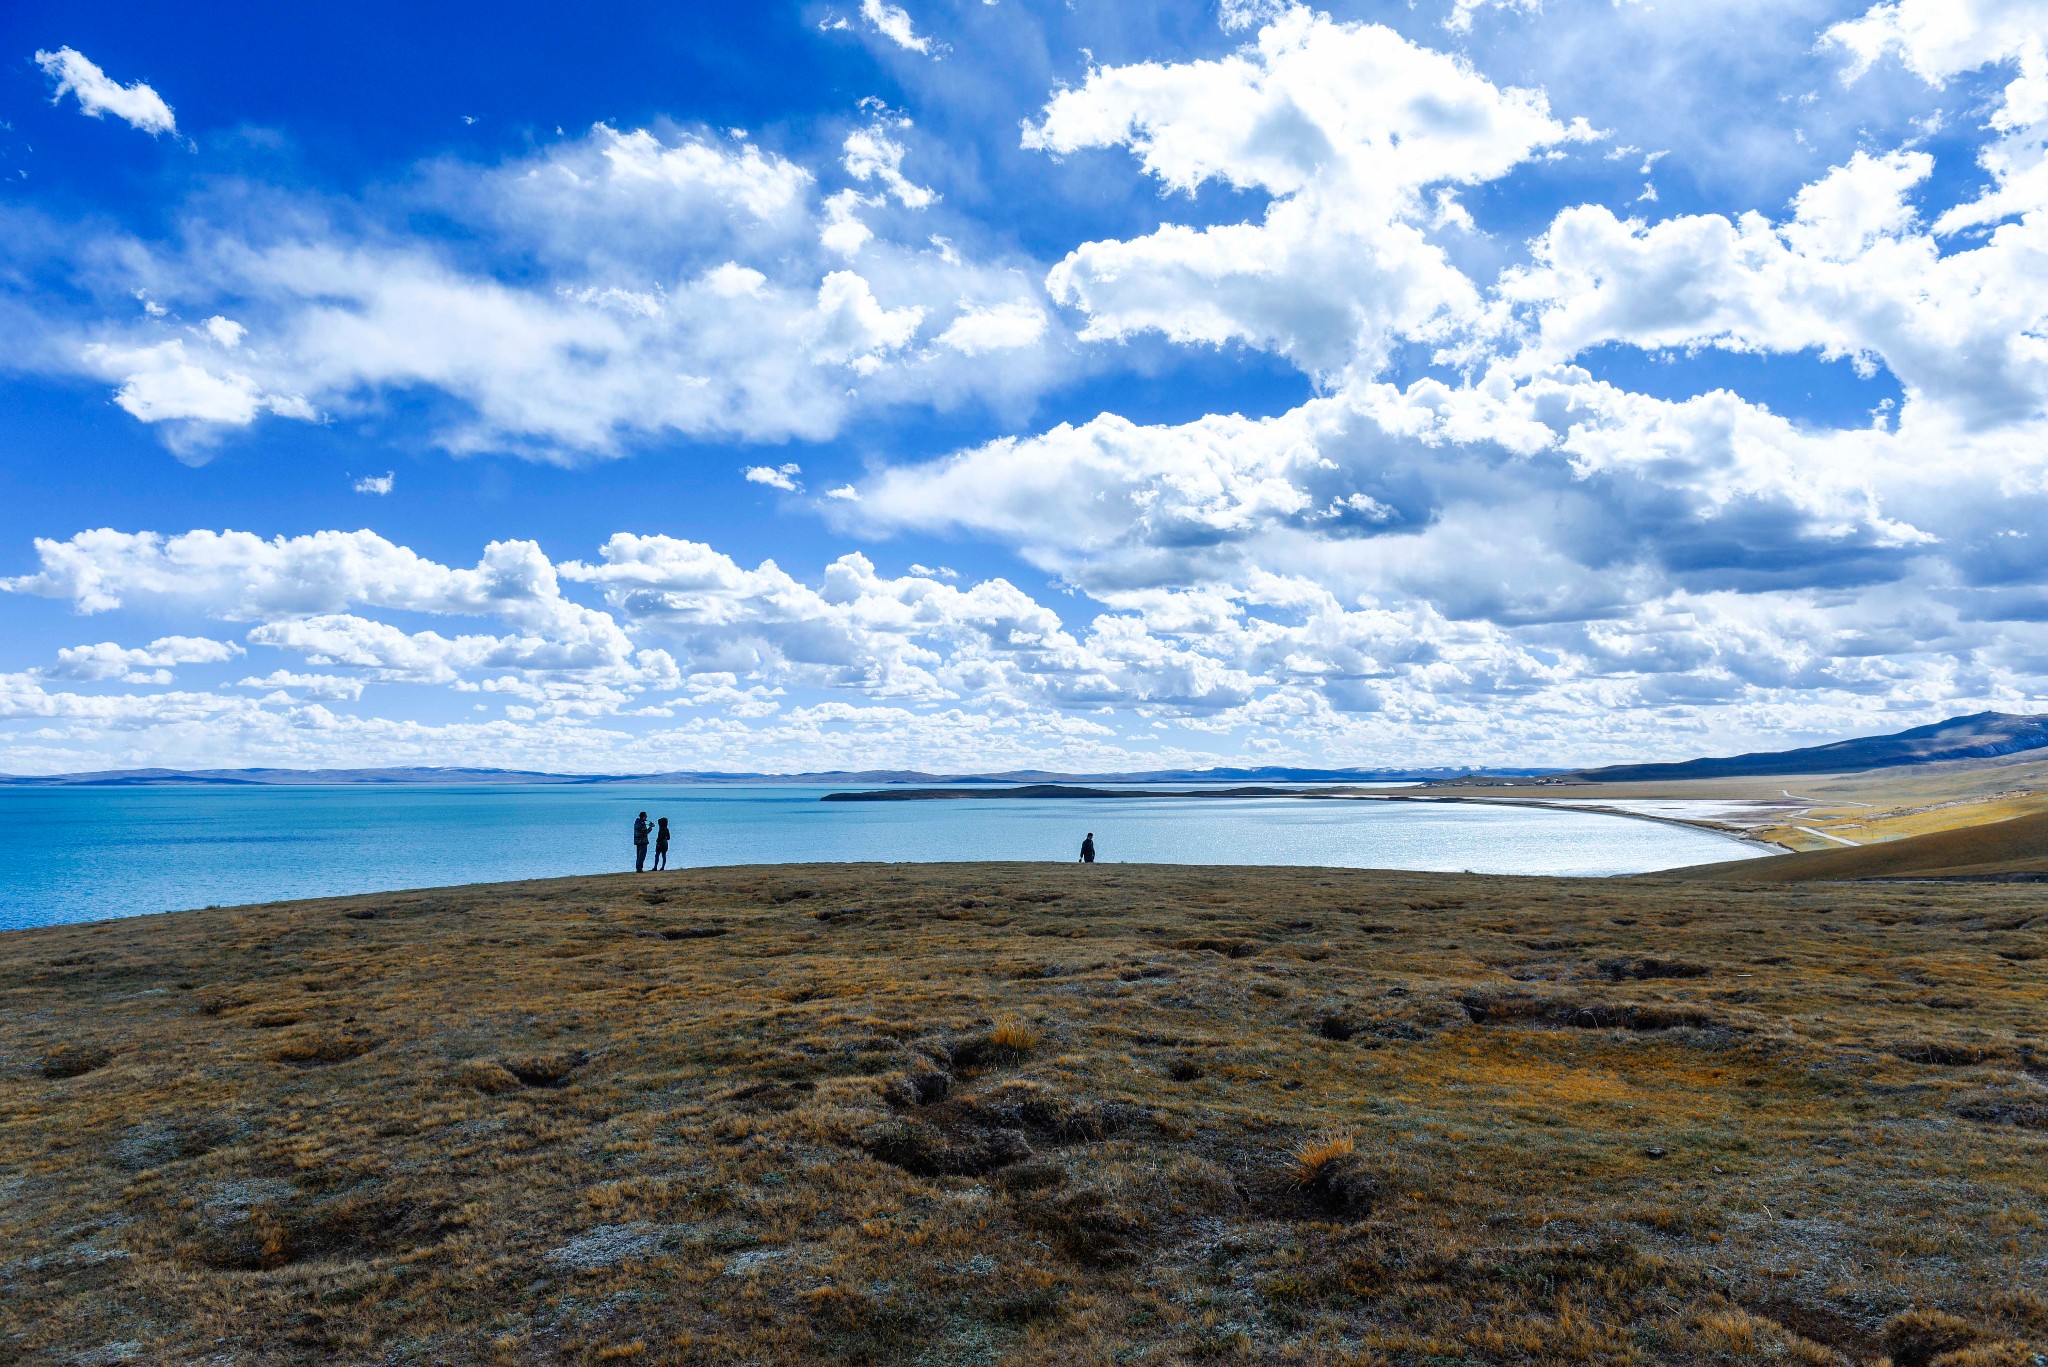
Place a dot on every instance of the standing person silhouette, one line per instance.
(640, 830)
(661, 845)
(1088, 849)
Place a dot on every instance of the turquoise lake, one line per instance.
(79, 854)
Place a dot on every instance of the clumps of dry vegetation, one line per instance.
(1009, 1042)
(2026, 1108)
(264, 1225)
(488, 1076)
(544, 1070)
(930, 1149)
(700, 932)
(1637, 970)
(1951, 1054)
(1333, 1175)
(986, 1114)
(313, 1048)
(1920, 1338)
(1582, 1013)
(70, 1060)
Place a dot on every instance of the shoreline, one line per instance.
(199, 886)
(1078, 793)
(1714, 827)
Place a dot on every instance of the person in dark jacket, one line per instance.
(640, 830)
(661, 845)
(1088, 849)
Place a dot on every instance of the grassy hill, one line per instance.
(2015, 849)
(1026, 1114)
(1827, 811)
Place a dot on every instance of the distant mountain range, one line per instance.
(136, 778)
(1986, 735)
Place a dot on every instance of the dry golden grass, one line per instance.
(1899, 818)
(1314, 1157)
(2014, 851)
(1026, 1114)
(1866, 808)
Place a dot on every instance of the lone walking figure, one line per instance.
(640, 830)
(1088, 849)
(661, 845)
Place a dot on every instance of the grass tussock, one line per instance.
(316, 1048)
(1012, 1040)
(70, 1060)
(2026, 1109)
(1011, 1114)
(487, 1076)
(702, 932)
(1642, 970)
(925, 1149)
(1918, 1337)
(1584, 1013)
(544, 1070)
(1332, 1174)
(1008, 1043)
(1948, 1054)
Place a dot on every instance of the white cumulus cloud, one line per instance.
(1342, 126)
(673, 282)
(1472, 529)
(97, 93)
(142, 664)
(893, 23)
(781, 477)
(994, 327)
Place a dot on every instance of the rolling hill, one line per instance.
(2003, 851)
(1984, 735)
(980, 1114)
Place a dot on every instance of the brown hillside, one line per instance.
(954, 1116)
(2015, 849)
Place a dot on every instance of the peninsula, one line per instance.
(1966, 772)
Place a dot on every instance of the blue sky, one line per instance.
(977, 383)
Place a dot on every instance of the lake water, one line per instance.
(81, 854)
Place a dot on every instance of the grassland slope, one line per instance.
(2016, 849)
(981, 1114)
(1822, 811)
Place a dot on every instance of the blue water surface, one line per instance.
(80, 854)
